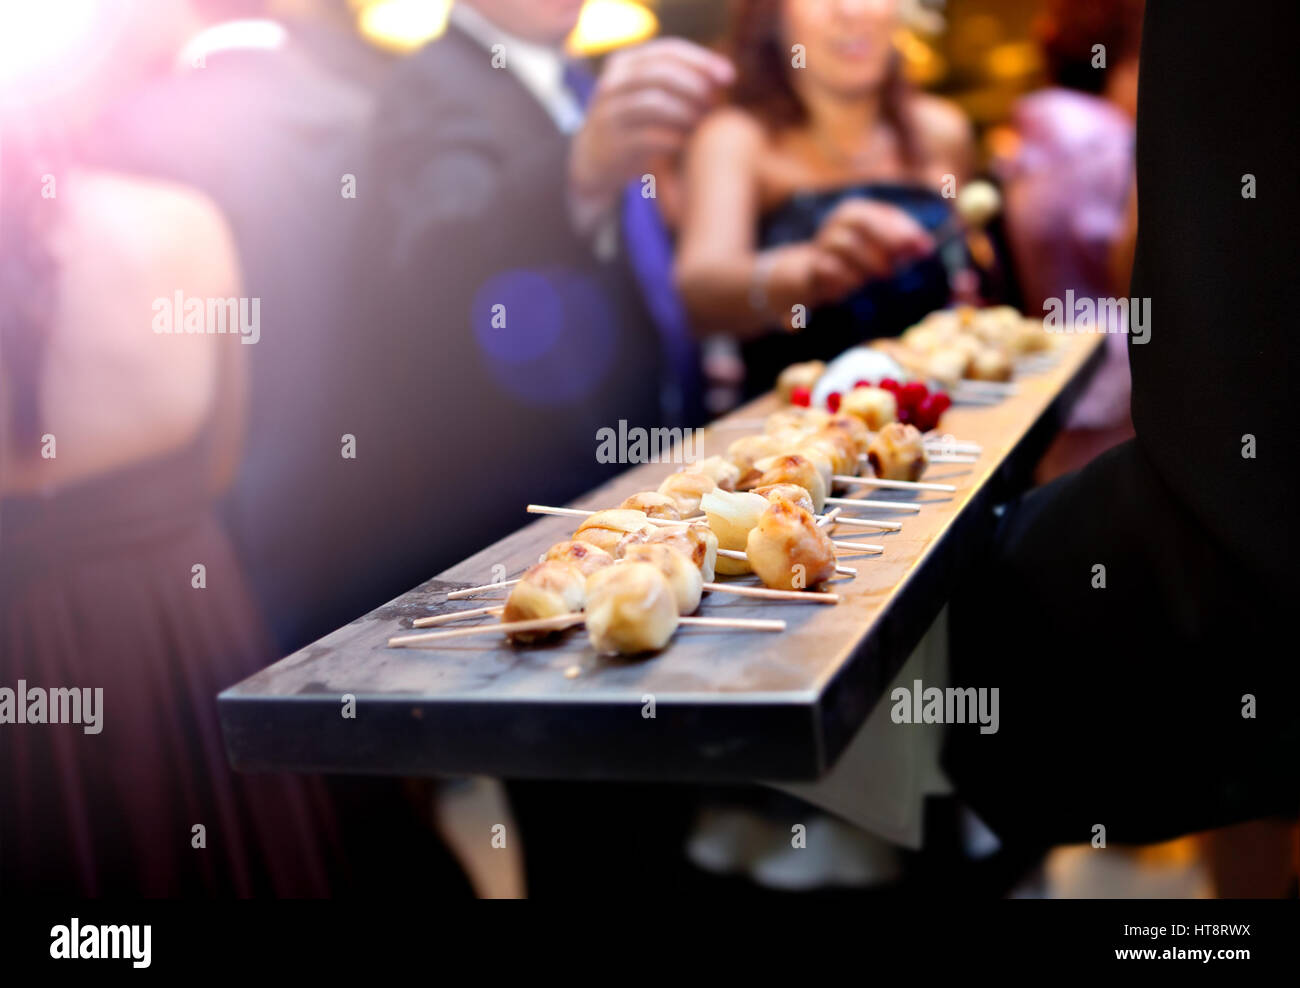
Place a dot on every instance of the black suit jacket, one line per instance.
(461, 206)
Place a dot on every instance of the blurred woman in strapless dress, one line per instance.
(114, 441)
(819, 186)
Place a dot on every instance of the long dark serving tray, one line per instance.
(727, 706)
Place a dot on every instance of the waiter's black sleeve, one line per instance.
(1166, 701)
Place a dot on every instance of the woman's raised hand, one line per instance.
(859, 242)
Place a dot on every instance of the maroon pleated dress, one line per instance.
(96, 590)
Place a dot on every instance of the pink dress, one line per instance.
(1066, 190)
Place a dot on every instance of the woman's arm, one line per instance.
(728, 285)
(947, 144)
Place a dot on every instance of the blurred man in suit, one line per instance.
(511, 295)
(510, 282)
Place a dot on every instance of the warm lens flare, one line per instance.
(402, 25)
(607, 24)
(35, 34)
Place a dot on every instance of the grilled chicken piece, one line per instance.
(587, 557)
(696, 541)
(720, 470)
(546, 590)
(787, 492)
(654, 505)
(605, 529)
(630, 609)
(686, 488)
(683, 575)
(873, 407)
(798, 469)
(805, 375)
(898, 453)
(747, 450)
(788, 551)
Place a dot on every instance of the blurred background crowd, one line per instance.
(477, 233)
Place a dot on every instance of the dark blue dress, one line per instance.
(881, 308)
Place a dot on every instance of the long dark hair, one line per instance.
(764, 87)
(28, 274)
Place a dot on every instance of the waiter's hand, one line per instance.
(644, 107)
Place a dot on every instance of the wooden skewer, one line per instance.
(822, 520)
(859, 546)
(557, 623)
(471, 591)
(951, 444)
(429, 622)
(950, 457)
(762, 593)
(988, 387)
(799, 596)
(737, 554)
(562, 621)
(945, 457)
(961, 397)
(740, 624)
(889, 526)
(853, 502)
(543, 509)
(902, 485)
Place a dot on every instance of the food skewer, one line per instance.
(735, 589)
(934, 441)
(853, 502)
(471, 591)
(562, 622)
(432, 620)
(764, 505)
(903, 485)
(890, 526)
(949, 457)
(999, 388)
(700, 622)
(737, 554)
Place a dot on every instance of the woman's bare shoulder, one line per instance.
(943, 127)
(732, 130)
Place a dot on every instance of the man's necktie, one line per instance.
(649, 248)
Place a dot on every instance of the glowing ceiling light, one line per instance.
(402, 25)
(922, 64)
(34, 34)
(607, 24)
(1014, 60)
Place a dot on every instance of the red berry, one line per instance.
(942, 401)
(906, 416)
(888, 384)
(911, 394)
(862, 384)
(927, 413)
(801, 396)
(833, 401)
